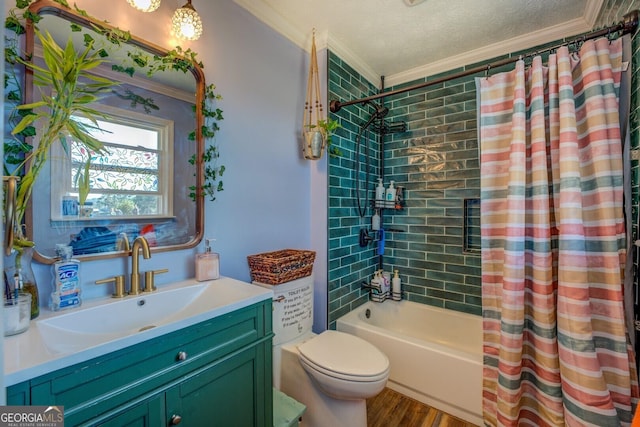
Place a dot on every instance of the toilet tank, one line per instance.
(292, 309)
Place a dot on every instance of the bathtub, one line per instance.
(435, 354)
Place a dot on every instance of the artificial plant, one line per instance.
(212, 170)
(327, 128)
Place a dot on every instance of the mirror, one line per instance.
(143, 185)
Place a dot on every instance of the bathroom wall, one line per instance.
(437, 161)
(266, 204)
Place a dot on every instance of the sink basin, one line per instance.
(91, 325)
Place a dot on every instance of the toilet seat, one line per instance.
(344, 356)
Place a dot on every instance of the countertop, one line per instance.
(27, 356)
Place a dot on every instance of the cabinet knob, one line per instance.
(182, 356)
(175, 420)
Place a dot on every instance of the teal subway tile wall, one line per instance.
(349, 264)
(436, 161)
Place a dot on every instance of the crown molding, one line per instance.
(354, 61)
(592, 11)
(273, 19)
(324, 40)
(546, 35)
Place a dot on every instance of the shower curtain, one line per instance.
(553, 242)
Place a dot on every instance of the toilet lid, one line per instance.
(344, 354)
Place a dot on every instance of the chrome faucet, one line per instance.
(139, 243)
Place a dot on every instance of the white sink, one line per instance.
(111, 319)
(125, 315)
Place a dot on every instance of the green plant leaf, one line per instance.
(26, 121)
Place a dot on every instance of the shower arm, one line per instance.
(628, 25)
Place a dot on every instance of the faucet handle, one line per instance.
(149, 279)
(118, 289)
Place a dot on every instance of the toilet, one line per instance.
(331, 373)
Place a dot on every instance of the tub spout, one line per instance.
(372, 288)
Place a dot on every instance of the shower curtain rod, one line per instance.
(628, 25)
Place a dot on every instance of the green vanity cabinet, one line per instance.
(217, 372)
(149, 412)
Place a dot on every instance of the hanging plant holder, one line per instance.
(314, 138)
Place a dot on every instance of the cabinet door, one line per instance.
(19, 394)
(223, 394)
(149, 413)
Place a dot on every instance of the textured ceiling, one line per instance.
(402, 42)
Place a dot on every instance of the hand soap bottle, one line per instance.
(207, 264)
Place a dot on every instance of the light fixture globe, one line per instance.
(145, 5)
(186, 23)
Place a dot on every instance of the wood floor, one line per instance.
(391, 409)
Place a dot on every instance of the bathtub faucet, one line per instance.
(372, 288)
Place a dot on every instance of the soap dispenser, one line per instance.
(375, 221)
(207, 264)
(396, 287)
(380, 194)
(390, 196)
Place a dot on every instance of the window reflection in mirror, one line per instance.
(133, 178)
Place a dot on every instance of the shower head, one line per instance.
(385, 127)
(381, 110)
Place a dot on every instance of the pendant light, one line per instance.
(145, 5)
(186, 22)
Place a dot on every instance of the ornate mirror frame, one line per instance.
(48, 7)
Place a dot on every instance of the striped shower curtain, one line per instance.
(553, 242)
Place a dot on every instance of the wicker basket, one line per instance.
(282, 266)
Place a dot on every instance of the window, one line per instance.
(132, 179)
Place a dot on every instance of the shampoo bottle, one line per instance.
(207, 264)
(380, 194)
(66, 280)
(396, 287)
(375, 221)
(390, 196)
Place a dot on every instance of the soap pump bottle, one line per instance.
(375, 221)
(396, 287)
(207, 264)
(380, 194)
(390, 196)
